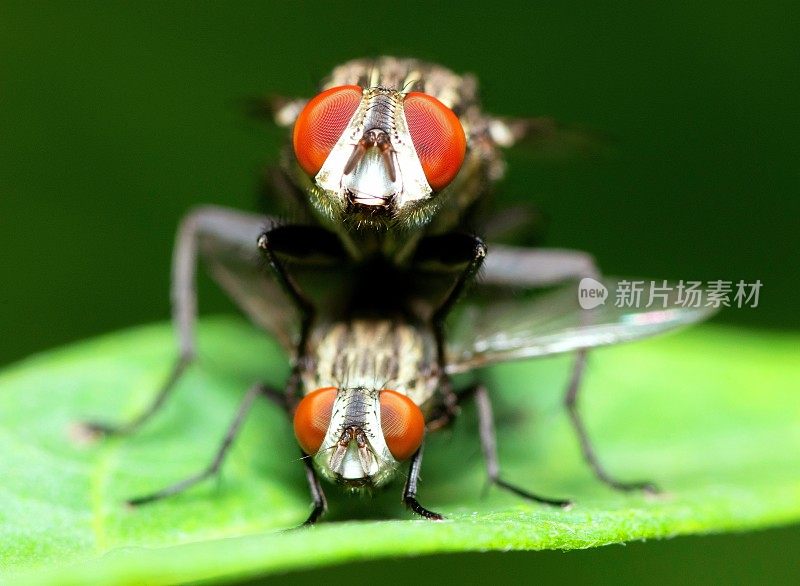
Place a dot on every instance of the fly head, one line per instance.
(358, 437)
(377, 156)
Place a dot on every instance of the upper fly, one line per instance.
(389, 142)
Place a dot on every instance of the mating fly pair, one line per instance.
(389, 158)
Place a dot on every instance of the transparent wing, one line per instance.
(226, 241)
(547, 139)
(498, 326)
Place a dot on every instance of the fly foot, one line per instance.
(521, 492)
(417, 508)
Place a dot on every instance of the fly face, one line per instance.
(388, 141)
(358, 436)
(378, 151)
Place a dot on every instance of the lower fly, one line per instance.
(393, 148)
(372, 363)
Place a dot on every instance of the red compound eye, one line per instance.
(438, 138)
(402, 423)
(321, 123)
(312, 417)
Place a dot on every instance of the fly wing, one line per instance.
(486, 332)
(227, 246)
(547, 139)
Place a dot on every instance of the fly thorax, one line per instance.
(374, 354)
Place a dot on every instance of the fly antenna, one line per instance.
(409, 83)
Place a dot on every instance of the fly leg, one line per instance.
(410, 489)
(571, 402)
(541, 268)
(284, 401)
(489, 448)
(460, 253)
(320, 504)
(226, 240)
(215, 464)
(95, 428)
(452, 259)
(297, 246)
(447, 411)
(294, 244)
(476, 253)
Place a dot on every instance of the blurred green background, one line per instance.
(115, 118)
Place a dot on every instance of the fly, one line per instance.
(395, 148)
(371, 364)
(390, 143)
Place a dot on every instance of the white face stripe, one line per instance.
(369, 182)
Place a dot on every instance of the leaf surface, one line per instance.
(712, 415)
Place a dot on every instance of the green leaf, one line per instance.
(712, 415)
